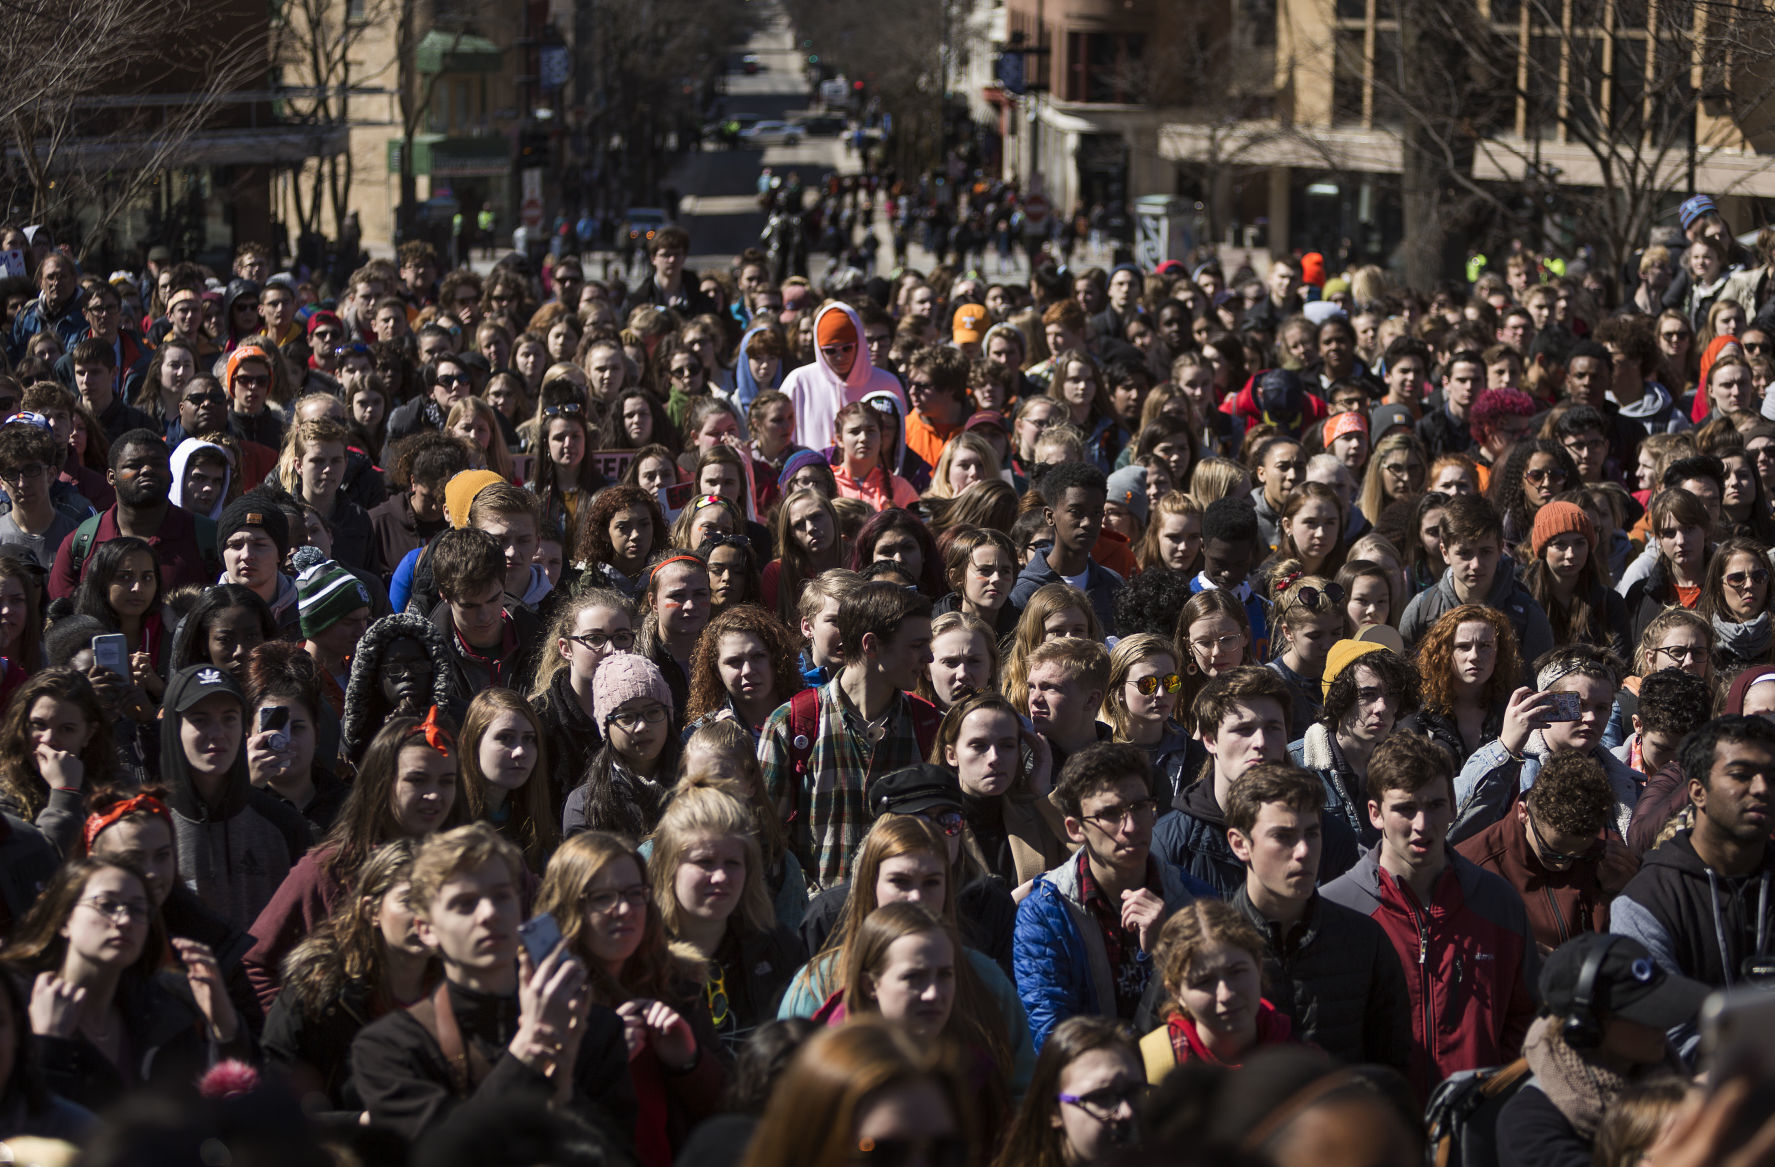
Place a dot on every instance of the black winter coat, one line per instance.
(1337, 975)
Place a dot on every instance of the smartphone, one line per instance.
(276, 722)
(1735, 1029)
(111, 651)
(1566, 707)
(540, 936)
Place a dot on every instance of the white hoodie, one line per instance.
(818, 392)
(182, 458)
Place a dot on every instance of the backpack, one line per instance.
(804, 730)
(1462, 1117)
(204, 529)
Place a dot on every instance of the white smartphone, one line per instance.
(110, 650)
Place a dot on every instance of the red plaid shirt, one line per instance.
(1121, 945)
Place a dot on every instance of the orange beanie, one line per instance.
(835, 327)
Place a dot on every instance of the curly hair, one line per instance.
(1507, 495)
(347, 948)
(1572, 795)
(592, 548)
(1398, 678)
(1435, 658)
(1150, 602)
(707, 694)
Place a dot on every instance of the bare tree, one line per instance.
(1576, 118)
(100, 100)
(320, 43)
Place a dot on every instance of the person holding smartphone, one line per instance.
(1564, 714)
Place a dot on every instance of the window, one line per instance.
(1347, 80)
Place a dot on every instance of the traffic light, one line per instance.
(533, 147)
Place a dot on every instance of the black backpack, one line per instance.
(1462, 1117)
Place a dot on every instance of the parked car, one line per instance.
(749, 63)
(771, 133)
(642, 223)
(821, 125)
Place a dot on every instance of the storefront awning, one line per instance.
(457, 52)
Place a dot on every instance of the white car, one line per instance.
(771, 134)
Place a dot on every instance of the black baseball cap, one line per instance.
(196, 682)
(1629, 982)
(915, 790)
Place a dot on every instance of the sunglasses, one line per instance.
(1147, 686)
(565, 409)
(208, 397)
(1756, 576)
(1545, 475)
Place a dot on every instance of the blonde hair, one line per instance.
(442, 855)
(1047, 600)
(301, 437)
(499, 456)
(1216, 478)
(1175, 502)
(697, 809)
(966, 440)
(1130, 651)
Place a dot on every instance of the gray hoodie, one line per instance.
(235, 852)
(1534, 635)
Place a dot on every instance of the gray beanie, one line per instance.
(1128, 487)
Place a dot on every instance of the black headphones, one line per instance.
(1580, 1027)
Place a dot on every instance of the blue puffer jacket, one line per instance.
(1058, 954)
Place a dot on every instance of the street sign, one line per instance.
(1035, 208)
(530, 209)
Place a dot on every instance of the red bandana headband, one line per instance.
(436, 735)
(140, 804)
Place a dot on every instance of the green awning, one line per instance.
(457, 52)
(484, 156)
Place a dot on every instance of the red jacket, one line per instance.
(182, 561)
(1469, 963)
(1560, 904)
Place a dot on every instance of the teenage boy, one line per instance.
(1229, 552)
(1281, 467)
(334, 611)
(1067, 680)
(94, 364)
(1473, 547)
(1554, 850)
(249, 384)
(818, 609)
(498, 1028)
(1444, 430)
(1704, 902)
(74, 485)
(820, 753)
(30, 455)
(1086, 931)
(414, 515)
(1671, 703)
(1075, 493)
(142, 475)
(487, 638)
(103, 309)
(236, 843)
(1460, 931)
(1332, 970)
(1242, 718)
(936, 386)
(1367, 689)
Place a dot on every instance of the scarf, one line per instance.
(1747, 641)
(1580, 1088)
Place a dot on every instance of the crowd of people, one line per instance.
(1184, 715)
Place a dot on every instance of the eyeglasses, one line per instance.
(1402, 469)
(1206, 646)
(1147, 686)
(634, 719)
(596, 641)
(1680, 653)
(118, 911)
(602, 903)
(100, 308)
(1140, 814)
(1755, 577)
(23, 473)
(1584, 445)
(565, 409)
(1104, 1103)
(943, 1151)
(1544, 475)
(1548, 855)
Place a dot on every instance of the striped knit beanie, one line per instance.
(325, 594)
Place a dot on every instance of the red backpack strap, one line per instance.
(804, 729)
(926, 719)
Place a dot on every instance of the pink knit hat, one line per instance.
(624, 676)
